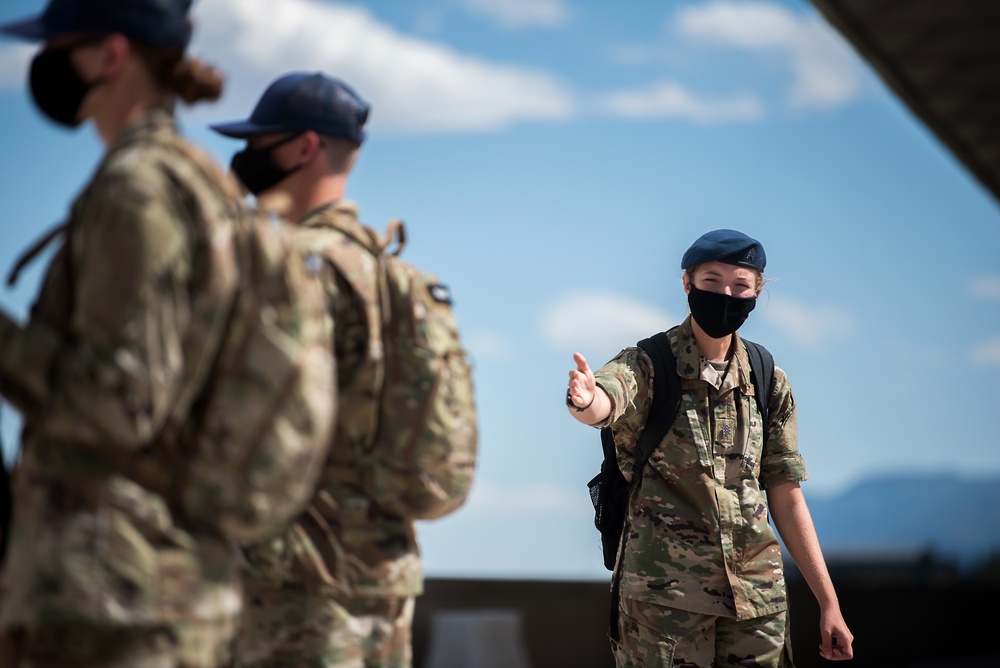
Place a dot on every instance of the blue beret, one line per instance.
(158, 23)
(727, 246)
(301, 101)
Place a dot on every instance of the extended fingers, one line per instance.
(579, 381)
(581, 385)
(582, 373)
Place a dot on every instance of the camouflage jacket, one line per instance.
(345, 543)
(699, 537)
(124, 309)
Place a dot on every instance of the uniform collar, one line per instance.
(691, 366)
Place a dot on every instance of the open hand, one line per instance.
(582, 386)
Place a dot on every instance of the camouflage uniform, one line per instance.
(338, 589)
(699, 539)
(99, 570)
(655, 635)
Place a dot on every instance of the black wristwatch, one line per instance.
(569, 402)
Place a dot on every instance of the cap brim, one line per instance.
(244, 129)
(33, 28)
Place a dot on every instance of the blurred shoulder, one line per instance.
(160, 159)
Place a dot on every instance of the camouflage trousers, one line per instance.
(654, 636)
(285, 627)
(196, 645)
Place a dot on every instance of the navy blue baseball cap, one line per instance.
(302, 101)
(727, 246)
(158, 23)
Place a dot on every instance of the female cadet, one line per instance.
(99, 571)
(702, 581)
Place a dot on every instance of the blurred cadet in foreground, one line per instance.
(131, 488)
(338, 588)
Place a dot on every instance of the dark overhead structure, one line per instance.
(942, 58)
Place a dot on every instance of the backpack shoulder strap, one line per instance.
(34, 251)
(666, 402)
(666, 397)
(762, 376)
(342, 216)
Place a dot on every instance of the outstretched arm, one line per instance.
(584, 392)
(792, 519)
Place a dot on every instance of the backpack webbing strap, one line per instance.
(33, 251)
(762, 377)
(666, 402)
(666, 399)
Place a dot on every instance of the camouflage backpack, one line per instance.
(414, 412)
(259, 424)
(245, 441)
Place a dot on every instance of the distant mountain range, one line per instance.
(953, 516)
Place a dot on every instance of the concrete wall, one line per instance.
(565, 623)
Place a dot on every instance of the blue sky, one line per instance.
(553, 160)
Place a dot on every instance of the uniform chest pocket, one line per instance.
(687, 444)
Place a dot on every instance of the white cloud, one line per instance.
(986, 354)
(668, 99)
(483, 344)
(826, 71)
(14, 62)
(601, 321)
(521, 13)
(808, 324)
(414, 85)
(631, 55)
(985, 287)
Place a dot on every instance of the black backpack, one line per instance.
(609, 491)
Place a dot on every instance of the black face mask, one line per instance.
(256, 168)
(56, 86)
(719, 315)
